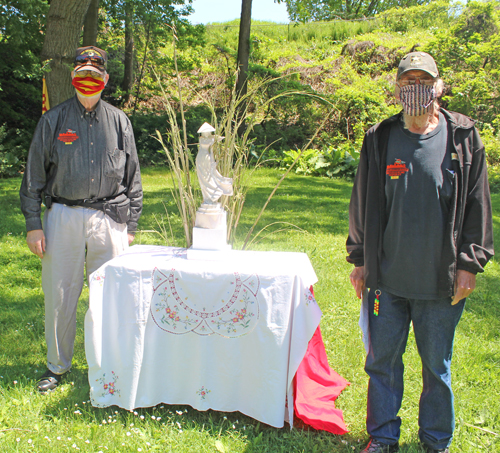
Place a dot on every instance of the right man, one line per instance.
(420, 229)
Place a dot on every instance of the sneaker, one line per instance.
(49, 381)
(374, 446)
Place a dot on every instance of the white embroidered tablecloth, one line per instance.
(223, 335)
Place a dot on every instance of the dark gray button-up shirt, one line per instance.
(80, 155)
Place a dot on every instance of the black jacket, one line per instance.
(468, 240)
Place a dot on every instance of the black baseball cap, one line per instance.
(418, 61)
(91, 58)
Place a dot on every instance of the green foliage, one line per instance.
(314, 10)
(468, 55)
(346, 64)
(14, 145)
(333, 162)
(433, 15)
(145, 126)
(494, 178)
(21, 39)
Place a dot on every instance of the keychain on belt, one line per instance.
(376, 306)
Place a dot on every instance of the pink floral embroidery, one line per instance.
(108, 387)
(309, 298)
(203, 392)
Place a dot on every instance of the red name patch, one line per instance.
(397, 169)
(68, 137)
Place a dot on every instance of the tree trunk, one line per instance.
(90, 25)
(64, 25)
(243, 55)
(128, 76)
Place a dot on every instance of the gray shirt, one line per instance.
(418, 192)
(80, 155)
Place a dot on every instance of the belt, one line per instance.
(95, 203)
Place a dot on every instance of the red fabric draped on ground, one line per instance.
(316, 387)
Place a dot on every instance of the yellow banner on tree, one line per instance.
(45, 98)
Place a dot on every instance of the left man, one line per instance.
(83, 165)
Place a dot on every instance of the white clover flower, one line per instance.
(129, 433)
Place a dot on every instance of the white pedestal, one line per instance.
(209, 244)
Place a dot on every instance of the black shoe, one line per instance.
(433, 450)
(49, 381)
(374, 446)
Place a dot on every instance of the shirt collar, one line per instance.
(96, 113)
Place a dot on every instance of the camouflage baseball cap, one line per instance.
(418, 61)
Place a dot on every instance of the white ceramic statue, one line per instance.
(210, 227)
(213, 184)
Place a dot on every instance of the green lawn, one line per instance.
(64, 420)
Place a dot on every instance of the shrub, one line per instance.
(14, 147)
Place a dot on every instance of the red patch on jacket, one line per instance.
(397, 169)
(68, 137)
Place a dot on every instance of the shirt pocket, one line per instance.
(448, 189)
(114, 166)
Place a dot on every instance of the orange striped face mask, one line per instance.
(88, 85)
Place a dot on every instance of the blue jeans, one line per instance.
(434, 323)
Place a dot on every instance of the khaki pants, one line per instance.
(74, 236)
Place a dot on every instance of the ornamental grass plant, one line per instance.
(233, 125)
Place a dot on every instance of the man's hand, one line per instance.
(464, 285)
(358, 280)
(131, 238)
(36, 242)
